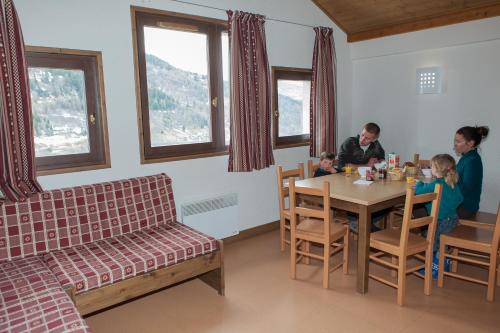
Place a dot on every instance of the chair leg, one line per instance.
(307, 248)
(326, 265)
(454, 263)
(490, 295)
(428, 270)
(401, 280)
(282, 233)
(293, 255)
(498, 275)
(394, 272)
(345, 265)
(442, 246)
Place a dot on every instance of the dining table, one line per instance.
(363, 199)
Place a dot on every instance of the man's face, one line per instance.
(365, 138)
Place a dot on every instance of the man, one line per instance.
(362, 149)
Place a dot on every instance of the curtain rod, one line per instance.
(224, 10)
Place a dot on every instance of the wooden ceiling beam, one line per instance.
(319, 4)
(464, 16)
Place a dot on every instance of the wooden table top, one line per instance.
(342, 188)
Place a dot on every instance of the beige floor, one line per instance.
(260, 297)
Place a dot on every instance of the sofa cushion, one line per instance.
(63, 218)
(32, 300)
(110, 260)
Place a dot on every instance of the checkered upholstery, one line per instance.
(63, 218)
(114, 259)
(32, 300)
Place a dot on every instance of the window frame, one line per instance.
(90, 62)
(287, 73)
(214, 28)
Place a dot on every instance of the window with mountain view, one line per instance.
(291, 101)
(183, 86)
(68, 110)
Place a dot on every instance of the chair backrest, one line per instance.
(412, 223)
(421, 163)
(311, 167)
(282, 176)
(298, 212)
(496, 232)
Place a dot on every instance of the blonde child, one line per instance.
(444, 170)
(325, 165)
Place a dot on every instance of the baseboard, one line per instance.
(252, 232)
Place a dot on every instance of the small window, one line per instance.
(69, 118)
(291, 100)
(182, 70)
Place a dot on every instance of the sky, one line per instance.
(182, 49)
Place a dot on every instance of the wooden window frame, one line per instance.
(142, 17)
(90, 62)
(287, 73)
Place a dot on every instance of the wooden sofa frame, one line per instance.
(209, 268)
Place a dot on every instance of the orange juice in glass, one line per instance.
(348, 169)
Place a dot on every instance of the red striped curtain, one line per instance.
(17, 157)
(250, 144)
(323, 93)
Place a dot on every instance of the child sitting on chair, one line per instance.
(444, 170)
(325, 165)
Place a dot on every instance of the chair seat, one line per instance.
(314, 227)
(388, 240)
(469, 237)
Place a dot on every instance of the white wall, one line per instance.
(106, 26)
(384, 91)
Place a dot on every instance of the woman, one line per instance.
(470, 168)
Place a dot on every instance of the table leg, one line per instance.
(364, 224)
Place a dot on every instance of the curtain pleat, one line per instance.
(323, 93)
(17, 157)
(250, 144)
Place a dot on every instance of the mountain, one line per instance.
(179, 104)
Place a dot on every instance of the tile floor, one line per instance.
(260, 297)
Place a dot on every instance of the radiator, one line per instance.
(216, 216)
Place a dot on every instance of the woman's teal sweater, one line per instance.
(470, 179)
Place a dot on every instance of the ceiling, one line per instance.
(366, 19)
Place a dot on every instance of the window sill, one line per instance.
(57, 171)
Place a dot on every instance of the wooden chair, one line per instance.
(474, 243)
(421, 163)
(311, 168)
(401, 244)
(396, 215)
(283, 178)
(316, 225)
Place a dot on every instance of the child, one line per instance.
(444, 170)
(325, 165)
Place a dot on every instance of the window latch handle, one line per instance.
(214, 102)
(276, 113)
(92, 118)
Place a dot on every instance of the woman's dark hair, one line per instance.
(476, 133)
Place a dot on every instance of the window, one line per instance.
(69, 119)
(291, 100)
(183, 85)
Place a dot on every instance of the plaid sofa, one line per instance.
(87, 237)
